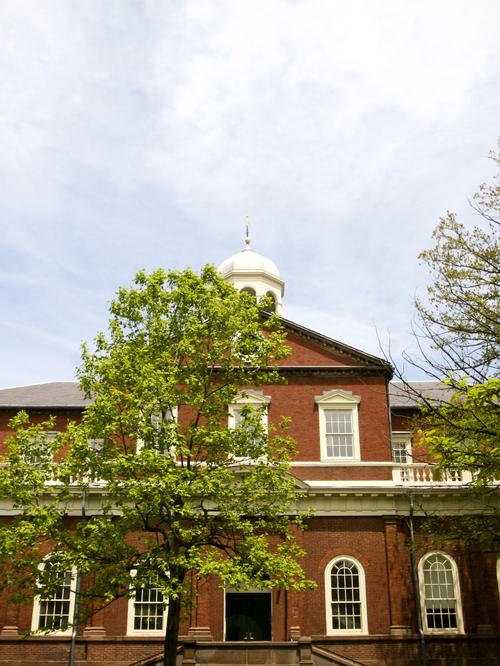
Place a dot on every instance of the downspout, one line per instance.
(416, 587)
(74, 625)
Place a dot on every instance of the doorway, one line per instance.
(248, 616)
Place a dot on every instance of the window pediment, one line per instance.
(252, 397)
(337, 396)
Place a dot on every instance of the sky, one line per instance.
(140, 134)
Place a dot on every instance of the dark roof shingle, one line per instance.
(47, 395)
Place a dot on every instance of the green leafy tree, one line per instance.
(153, 482)
(460, 317)
(459, 338)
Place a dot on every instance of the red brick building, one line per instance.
(387, 593)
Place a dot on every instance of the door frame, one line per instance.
(250, 590)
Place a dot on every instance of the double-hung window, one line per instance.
(147, 610)
(241, 417)
(345, 597)
(54, 612)
(338, 425)
(401, 448)
(160, 431)
(440, 593)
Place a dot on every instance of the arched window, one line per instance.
(249, 290)
(54, 611)
(440, 593)
(345, 597)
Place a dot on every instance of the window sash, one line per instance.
(149, 609)
(339, 433)
(55, 613)
(400, 453)
(440, 595)
(346, 596)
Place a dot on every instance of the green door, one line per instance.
(248, 616)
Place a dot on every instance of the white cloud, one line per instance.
(138, 134)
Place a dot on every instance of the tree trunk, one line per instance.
(172, 632)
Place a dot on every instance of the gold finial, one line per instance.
(247, 231)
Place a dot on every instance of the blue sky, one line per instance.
(139, 134)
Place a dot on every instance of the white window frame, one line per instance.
(174, 411)
(252, 398)
(38, 600)
(456, 589)
(401, 439)
(131, 631)
(340, 400)
(330, 631)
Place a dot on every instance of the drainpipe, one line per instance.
(74, 628)
(74, 625)
(416, 587)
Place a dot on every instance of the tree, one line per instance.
(134, 495)
(459, 339)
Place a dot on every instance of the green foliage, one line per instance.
(464, 432)
(460, 324)
(460, 318)
(133, 489)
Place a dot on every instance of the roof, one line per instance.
(48, 395)
(67, 395)
(407, 395)
(331, 345)
(248, 261)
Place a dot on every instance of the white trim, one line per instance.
(38, 600)
(333, 485)
(131, 631)
(401, 439)
(342, 463)
(174, 411)
(330, 631)
(251, 398)
(459, 629)
(340, 400)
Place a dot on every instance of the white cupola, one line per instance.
(252, 272)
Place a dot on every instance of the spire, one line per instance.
(247, 232)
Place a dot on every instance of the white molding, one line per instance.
(405, 439)
(338, 399)
(131, 618)
(251, 397)
(174, 411)
(459, 629)
(330, 631)
(335, 396)
(37, 600)
(341, 463)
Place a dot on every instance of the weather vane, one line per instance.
(247, 230)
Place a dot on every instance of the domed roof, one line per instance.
(248, 261)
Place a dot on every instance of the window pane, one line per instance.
(346, 597)
(339, 438)
(149, 608)
(399, 452)
(439, 593)
(54, 611)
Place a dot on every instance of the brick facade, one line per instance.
(360, 513)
